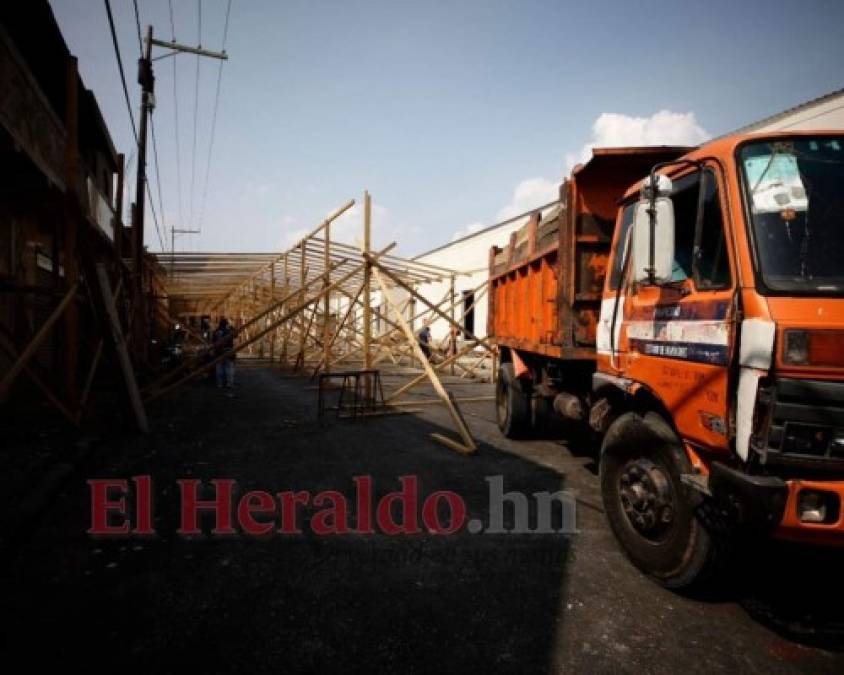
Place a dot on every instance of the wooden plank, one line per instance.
(30, 350)
(429, 371)
(454, 445)
(431, 401)
(286, 316)
(7, 346)
(367, 287)
(122, 353)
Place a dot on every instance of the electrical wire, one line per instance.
(120, 68)
(138, 24)
(158, 175)
(176, 122)
(195, 117)
(214, 119)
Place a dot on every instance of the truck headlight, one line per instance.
(813, 347)
(796, 348)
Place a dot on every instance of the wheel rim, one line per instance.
(647, 499)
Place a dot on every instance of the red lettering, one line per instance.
(101, 506)
(334, 519)
(363, 515)
(252, 503)
(407, 498)
(143, 505)
(289, 515)
(221, 506)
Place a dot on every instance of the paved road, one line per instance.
(409, 603)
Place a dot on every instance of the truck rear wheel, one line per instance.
(651, 512)
(512, 404)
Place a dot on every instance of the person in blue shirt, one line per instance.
(223, 341)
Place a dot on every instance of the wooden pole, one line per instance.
(286, 344)
(71, 267)
(452, 342)
(35, 343)
(326, 302)
(118, 213)
(302, 284)
(154, 389)
(122, 352)
(272, 299)
(367, 292)
(468, 445)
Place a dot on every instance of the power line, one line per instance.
(120, 68)
(214, 118)
(138, 23)
(195, 117)
(176, 122)
(158, 176)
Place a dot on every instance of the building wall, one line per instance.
(827, 113)
(470, 256)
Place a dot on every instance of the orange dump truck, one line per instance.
(688, 306)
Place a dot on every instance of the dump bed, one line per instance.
(546, 284)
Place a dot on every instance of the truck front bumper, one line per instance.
(820, 500)
(800, 510)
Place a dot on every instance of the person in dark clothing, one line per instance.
(424, 338)
(223, 341)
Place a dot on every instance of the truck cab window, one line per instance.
(685, 198)
(620, 252)
(711, 265)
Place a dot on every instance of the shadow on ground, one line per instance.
(423, 602)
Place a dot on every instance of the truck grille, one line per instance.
(806, 422)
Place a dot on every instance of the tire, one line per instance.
(512, 404)
(656, 518)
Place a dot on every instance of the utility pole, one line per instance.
(146, 79)
(173, 232)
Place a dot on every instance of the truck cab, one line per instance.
(717, 380)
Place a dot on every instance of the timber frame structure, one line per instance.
(66, 259)
(77, 291)
(320, 306)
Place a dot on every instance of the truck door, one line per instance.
(677, 336)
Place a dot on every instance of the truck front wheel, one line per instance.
(652, 513)
(512, 404)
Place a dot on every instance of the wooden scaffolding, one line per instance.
(323, 306)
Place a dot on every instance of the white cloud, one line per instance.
(664, 127)
(528, 194)
(471, 228)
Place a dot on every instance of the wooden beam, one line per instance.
(71, 215)
(122, 353)
(286, 316)
(35, 343)
(468, 441)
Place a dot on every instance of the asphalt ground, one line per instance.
(423, 602)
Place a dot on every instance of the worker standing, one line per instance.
(223, 341)
(424, 338)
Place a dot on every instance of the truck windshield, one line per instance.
(794, 190)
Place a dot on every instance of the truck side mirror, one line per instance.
(652, 240)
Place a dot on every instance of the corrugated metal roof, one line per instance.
(790, 111)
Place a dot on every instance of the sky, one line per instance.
(452, 114)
